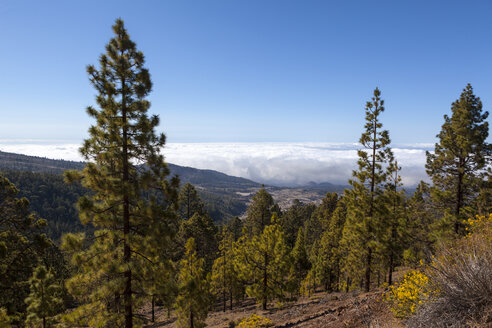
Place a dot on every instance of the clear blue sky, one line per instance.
(249, 70)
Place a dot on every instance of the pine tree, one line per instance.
(203, 231)
(300, 262)
(326, 260)
(190, 202)
(421, 226)
(193, 296)
(131, 205)
(294, 218)
(460, 157)
(235, 226)
(44, 301)
(22, 244)
(308, 285)
(394, 224)
(161, 286)
(225, 281)
(483, 201)
(319, 220)
(264, 262)
(325, 210)
(364, 205)
(259, 212)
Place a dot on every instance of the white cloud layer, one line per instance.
(282, 164)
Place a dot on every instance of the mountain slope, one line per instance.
(204, 178)
(41, 181)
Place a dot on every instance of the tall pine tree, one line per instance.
(131, 203)
(365, 206)
(460, 157)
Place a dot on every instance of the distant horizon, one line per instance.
(273, 163)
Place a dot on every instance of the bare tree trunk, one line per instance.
(390, 271)
(368, 269)
(265, 277)
(459, 200)
(153, 305)
(127, 295)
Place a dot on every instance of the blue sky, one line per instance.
(249, 71)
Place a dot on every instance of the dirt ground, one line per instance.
(335, 310)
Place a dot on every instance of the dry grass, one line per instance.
(462, 275)
(321, 310)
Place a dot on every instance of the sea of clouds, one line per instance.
(276, 163)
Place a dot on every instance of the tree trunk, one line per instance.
(330, 282)
(127, 295)
(338, 277)
(393, 234)
(371, 209)
(225, 301)
(368, 269)
(191, 319)
(390, 271)
(224, 281)
(153, 305)
(459, 200)
(117, 302)
(188, 214)
(265, 281)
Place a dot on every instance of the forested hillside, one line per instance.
(204, 178)
(224, 197)
(41, 181)
(149, 243)
(18, 162)
(51, 198)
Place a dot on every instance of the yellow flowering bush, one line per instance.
(408, 293)
(255, 321)
(479, 222)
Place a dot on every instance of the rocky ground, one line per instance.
(335, 310)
